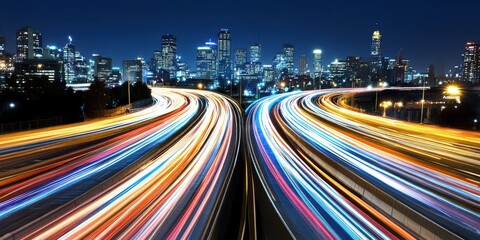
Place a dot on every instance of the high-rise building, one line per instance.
(69, 62)
(158, 60)
(206, 61)
(268, 73)
(317, 63)
(338, 69)
(2, 46)
(224, 69)
(81, 68)
(289, 51)
(302, 65)
(52, 52)
(29, 69)
(279, 64)
(132, 70)
(471, 63)
(101, 67)
(376, 55)
(240, 59)
(255, 52)
(29, 43)
(169, 54)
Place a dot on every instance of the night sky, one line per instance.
(428, 31)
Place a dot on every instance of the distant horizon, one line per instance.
(424, 31)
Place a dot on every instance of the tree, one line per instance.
(96, 98)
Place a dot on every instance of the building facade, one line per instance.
(169, 54)
(289, 53)
(471, 63)
(29, 43)
(206, 61)
(317, 63)
(302, 65)
(255, 52)
(376, 56)
(224, 69)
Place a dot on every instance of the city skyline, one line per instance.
(424, 41)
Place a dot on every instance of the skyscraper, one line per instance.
(255, 52)
(224, 55)
(169, 54)
(101, 67)
(132, 70)
(2, 45)
(206, 61)
(81, 68)
(317, 63)
(240, 59)
(471, 63)
(29, 43)
(302, 65)
(376, 55)
(69, 62)
(289, 52)
(158, 60)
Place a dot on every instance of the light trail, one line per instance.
(331, 172)
(177, 191)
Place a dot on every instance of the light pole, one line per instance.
(423, 102)
(475, 124)
(385, 105)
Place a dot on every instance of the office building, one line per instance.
(338, 70)
(157, 64)
(29, 43)
(69, 62)
(101, 67)
(255, 52)
(317, 63)
(289, 54)
(471, 63)
(2, 46)
(30, 69)
(132, 70)
(224, 69)
(81, 68)
(376, 55)
(206, 61)
(268, 73)
(169, 54)
(302, 65)
(240, 59)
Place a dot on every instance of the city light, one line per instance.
(12, 105)
(453, 90)
(385, 105)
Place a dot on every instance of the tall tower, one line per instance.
(169, 54)
(317, 63)
(471, 63)
(224, 55)
(255, 52)
(376, 54)
(29, 43)
(69, 62)
(302, 65)
(206, 60)
(2, 45)
(289, 52)
(240, 58)
(158, 59)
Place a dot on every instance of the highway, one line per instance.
(162, 172)
(321, 170)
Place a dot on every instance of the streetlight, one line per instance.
(385, 105)
(475, 123)
(397, 105)
(200, 86)
(12, 105)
